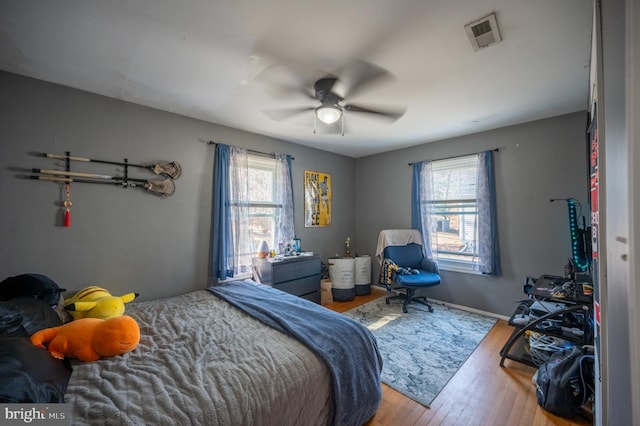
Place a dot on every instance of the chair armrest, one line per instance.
(430, 266)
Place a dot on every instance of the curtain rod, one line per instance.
(267, 154)
(456, 156)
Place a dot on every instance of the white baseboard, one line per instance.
(461, 307)
(468, 309)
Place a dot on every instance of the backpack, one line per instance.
(562, 382)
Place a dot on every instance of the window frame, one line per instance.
(439, 166)
(266, 163)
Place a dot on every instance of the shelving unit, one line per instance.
(576, 315)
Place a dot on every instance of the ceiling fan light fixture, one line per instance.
(328, 114)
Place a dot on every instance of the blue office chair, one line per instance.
(404, 267)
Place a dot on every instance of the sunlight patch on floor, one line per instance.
(383, 321)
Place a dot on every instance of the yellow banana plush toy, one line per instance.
(96, 302)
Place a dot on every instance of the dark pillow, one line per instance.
(38, 286)
(30, 374)
(11, 320)
(36, 314)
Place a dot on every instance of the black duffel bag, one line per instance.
(564, 382)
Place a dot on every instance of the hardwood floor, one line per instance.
(481, 392)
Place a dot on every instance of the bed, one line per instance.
(209, 358)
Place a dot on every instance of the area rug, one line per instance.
(421, 350)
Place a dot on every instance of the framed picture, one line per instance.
(317, 199)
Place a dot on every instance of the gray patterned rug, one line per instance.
(421, 351)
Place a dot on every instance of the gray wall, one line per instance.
(537, 161)
(127, 239)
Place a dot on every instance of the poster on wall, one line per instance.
(317, 199)
(594, 201)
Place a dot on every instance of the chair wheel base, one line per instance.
(408, 298)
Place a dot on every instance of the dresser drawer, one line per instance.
(300, 286)
(299, 276)
(287, 271)
(314, 297)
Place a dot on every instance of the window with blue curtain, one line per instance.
(252, 202)
(454, 207)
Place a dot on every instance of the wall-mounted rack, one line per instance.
(163, 187)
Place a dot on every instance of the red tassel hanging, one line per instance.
(67, 206)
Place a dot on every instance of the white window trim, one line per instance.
(457, 266)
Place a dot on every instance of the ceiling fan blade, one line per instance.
(360, 75)
(288, 91)
(282, 83)
(284, 114)
(391, 114)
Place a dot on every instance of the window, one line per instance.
(262, 201)
(252, 202)
(454, 212)
(255, 214)
(454, 208)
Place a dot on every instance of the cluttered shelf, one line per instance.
(554, 333)
(556, 314)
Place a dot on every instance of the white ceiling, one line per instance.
(221, 60)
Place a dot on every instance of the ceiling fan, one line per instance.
(330, 104)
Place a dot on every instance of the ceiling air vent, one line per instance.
(483, 32)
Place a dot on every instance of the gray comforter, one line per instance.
(202, 361)
(346, 346)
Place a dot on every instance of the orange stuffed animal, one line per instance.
(89, 339)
